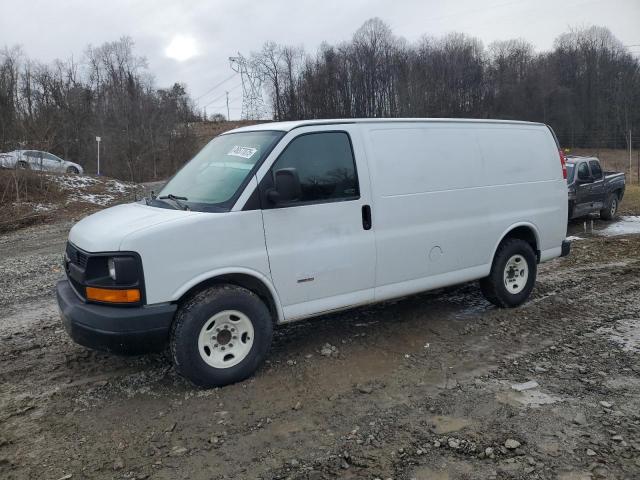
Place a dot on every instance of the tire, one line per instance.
(72, 171)
(507, 263)
(610, 208)
(232, 311)
(22, 165)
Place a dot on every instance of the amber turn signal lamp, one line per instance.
(113, 296)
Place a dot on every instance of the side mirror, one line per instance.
(287, 186)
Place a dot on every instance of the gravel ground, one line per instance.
(435, 386)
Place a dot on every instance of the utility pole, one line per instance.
(228, 118)
(98, 139)
(629, 152)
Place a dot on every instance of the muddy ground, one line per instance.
(420, 388)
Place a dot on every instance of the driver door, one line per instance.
(583, 190)
(597, 187)
(321, 247)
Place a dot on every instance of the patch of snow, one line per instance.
(42, 207)
(36, 207)
(628, 225)
(74, 182)
(520, 387)
(529, 397)
(116, 186)
(625, 333)
(573, 238)
(96, 198)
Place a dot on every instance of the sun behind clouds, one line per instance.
(181, 48)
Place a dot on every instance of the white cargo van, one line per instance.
(282, 221)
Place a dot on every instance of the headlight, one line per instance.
(111, 264)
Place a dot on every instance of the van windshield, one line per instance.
(214, 175)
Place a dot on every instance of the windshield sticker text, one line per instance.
(244, 152)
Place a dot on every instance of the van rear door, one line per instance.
(321, 249)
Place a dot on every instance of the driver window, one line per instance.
(325, 166)
(583, 171)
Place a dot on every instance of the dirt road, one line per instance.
(419, 388)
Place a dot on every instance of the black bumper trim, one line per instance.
(566, 248)
(126, 330)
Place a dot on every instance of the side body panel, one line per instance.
(178, 255)
(445, 194)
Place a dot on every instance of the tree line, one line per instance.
(62, 107)
(587, 87)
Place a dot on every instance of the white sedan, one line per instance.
(38, 160)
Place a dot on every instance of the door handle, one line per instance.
(366, 217)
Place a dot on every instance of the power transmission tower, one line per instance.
(252, 78)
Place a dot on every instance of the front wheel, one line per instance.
(610, 208)
(221, 336)
(72, 171)
(512, 276)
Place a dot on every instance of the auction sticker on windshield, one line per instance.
(244, 152)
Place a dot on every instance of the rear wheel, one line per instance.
(221, 336)
(610, 208)
(22, 165)
(512, 276)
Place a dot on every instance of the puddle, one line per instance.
(625, 333)
(443, 424)
(628, 225)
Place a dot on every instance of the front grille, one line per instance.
(79, 288)
(76, 256)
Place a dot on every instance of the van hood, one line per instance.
(104, 231)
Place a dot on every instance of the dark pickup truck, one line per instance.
(592, 190)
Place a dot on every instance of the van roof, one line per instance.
(290, 125)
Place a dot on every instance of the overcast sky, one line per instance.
(190, 41)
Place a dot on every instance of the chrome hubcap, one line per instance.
(225, 339)
(516, 274)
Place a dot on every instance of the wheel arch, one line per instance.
(241, 277)
(524, 231)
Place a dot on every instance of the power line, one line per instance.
(222, 95)
(216, 86)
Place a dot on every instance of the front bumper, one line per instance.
(566, 248)
(126, 330)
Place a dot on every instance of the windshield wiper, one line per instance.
(176, 199)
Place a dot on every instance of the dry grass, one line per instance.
(617, 160)
(631, 202)
(205, 131)
(20, 190)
